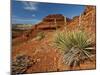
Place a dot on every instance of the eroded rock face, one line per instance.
(49, 23)
(86, 21)
(89, 19)
(52, 17)
(52, 21)
(89, 8)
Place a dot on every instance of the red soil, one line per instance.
(48, 57)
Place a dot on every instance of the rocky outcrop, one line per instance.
(89, 19)
(52, 21)
(86, 21)
(49, 57)
(49, 23)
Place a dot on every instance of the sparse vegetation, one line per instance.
(21, 64)
(76, 46)
(36, 49)
(40, 36)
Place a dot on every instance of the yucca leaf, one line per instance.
(75, 45)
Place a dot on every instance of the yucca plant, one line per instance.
(76, 47)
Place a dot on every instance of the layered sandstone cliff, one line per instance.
(49, 58)
(85, 21)
(52, 21)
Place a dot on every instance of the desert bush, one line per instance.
(21, 64)
(40, 35)
(76, 47)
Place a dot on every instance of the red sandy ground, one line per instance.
(49, 58)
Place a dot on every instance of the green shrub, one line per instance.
(76, 46)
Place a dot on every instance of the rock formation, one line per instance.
(52, 21)
(85, 21)
(49, 57)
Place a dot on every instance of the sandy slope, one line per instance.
(48, 57)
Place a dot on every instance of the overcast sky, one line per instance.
(27, 12)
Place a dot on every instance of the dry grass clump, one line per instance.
(40, 36)
(21, 64)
